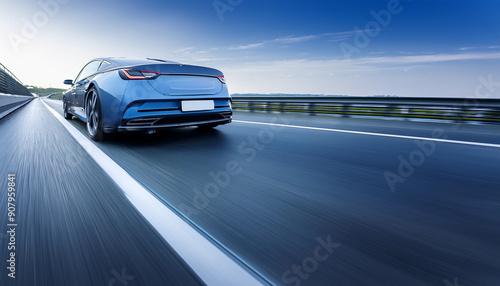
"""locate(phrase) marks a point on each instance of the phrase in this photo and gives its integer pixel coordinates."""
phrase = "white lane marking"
(212, 265)
(374, 134)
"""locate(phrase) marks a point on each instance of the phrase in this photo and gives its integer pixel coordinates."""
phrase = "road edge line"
(209, 262)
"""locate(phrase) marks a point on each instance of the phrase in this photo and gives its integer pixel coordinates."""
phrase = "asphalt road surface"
(302, 200)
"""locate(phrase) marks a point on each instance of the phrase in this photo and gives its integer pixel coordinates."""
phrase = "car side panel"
(111, 89)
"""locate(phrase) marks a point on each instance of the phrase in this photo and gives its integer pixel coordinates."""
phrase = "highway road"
(296, 200)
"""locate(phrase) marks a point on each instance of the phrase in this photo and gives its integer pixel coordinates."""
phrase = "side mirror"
(68, 81)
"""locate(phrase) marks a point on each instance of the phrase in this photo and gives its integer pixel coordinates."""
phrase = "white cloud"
(280, 40)
(330, 37)
(291, 40)
(427, 58)
(185, 50)
(246, 47)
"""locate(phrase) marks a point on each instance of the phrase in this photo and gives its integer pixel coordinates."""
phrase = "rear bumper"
(173, 125)
(175, 120)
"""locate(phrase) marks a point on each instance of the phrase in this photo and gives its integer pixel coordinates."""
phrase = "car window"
(104, 65)
(89, 69)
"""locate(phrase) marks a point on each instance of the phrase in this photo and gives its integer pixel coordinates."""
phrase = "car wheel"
(94, 115)
(65, 110)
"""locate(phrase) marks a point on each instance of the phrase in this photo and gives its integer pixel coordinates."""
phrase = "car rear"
(173, 95)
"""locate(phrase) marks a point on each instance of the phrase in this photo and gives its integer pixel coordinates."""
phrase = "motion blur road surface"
(301, 206)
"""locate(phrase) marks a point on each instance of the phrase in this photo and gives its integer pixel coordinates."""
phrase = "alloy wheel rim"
(92, 114)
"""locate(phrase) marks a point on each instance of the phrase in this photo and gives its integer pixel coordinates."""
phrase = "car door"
(81, 84)
(69, 96)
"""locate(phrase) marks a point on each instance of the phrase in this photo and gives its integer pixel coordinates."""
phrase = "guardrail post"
(495, 114)
(311, 109)
(391, 109)
(345, 110)
(268, 109)
(405, 111)
(250, 106)
(282, 107)
(460, 112)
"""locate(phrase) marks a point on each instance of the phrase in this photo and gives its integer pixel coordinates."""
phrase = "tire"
(93, 113)
(67, 115)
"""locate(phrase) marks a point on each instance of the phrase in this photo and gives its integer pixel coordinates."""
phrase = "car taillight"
(222, 79)
(136, 74)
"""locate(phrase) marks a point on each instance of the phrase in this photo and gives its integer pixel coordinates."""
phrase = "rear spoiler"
(178, 69)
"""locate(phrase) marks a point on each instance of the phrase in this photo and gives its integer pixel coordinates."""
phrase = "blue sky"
(426, 48)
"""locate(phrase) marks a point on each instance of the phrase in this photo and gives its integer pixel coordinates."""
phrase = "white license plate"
(197, 105)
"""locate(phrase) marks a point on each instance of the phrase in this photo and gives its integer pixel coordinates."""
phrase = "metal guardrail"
(10, 84)
(2, 67)
(447, 109)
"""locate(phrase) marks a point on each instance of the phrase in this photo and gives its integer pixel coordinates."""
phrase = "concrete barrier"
(10, 103)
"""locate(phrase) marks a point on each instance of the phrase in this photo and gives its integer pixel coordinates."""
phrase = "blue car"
(120, 94)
